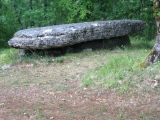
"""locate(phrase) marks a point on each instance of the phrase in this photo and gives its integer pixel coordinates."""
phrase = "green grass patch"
(141, 43)
(8, 56)
(121, 71)
(112, 72)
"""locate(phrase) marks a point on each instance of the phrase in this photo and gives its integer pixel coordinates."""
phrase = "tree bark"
(154, 55)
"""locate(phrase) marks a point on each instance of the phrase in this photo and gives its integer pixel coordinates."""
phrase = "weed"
(71, 114)
(121, 116)
(8, 56)
(41, 115)
(16, 83)
(62, 87)
(49, 60)
(60, 59)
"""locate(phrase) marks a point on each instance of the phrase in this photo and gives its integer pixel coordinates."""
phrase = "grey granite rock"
(69, 34)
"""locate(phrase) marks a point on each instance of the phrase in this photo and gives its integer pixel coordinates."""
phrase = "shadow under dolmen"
(108, 44)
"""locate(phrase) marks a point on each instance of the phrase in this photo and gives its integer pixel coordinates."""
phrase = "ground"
(42, 91)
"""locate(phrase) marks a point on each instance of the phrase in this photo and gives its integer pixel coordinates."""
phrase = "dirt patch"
(80, 104)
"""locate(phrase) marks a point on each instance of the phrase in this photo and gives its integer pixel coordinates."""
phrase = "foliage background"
(16, 14)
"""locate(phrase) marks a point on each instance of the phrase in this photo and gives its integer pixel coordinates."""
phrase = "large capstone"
(69, 34)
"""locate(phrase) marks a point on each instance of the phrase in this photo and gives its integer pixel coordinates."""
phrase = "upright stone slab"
(69, 34)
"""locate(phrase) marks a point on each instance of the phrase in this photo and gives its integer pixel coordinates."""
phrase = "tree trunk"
(154, 55)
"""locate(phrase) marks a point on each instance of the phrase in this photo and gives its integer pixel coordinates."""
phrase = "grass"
(8, 56)
(119, 71)
(55, 81)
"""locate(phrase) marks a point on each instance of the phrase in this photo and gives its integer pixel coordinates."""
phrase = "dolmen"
(95, 33)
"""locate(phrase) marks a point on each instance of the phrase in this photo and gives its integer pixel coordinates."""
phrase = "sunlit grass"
(121, 71)
(8, 56)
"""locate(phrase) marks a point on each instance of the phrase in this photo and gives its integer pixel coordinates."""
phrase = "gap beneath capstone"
(109, 44)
